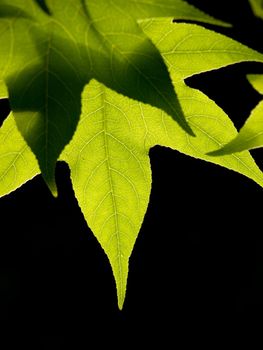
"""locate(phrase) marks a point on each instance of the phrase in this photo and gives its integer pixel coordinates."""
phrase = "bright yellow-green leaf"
(251, 134)
(109, 161)
(110, 172)
(17, 162)
(49, 52)
(109, 153)
(110, 75)
(190, 49)
(256, 80)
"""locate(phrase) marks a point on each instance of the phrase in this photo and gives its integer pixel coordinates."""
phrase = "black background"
(196, 272)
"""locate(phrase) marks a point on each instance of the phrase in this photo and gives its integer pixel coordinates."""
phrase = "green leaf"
(133, 67)
(17, 162)
(46, 60)
(109, 153)
(251, 134)
(257, 7)
(110, 172)
(3, 90)
(110, 168)
(109, 161)
(45, 99)
(256, 80)
(189, 49)
(178, 9)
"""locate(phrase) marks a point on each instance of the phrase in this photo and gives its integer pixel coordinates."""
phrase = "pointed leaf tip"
(51, 184)
(121, 303)
(249, 136)
(53, 190)
(218, 152)
(113, 184)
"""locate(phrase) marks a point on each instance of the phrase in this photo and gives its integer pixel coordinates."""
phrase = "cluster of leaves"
(251, 134)
(96, 84)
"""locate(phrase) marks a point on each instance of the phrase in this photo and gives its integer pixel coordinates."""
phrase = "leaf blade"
(112, 186)
(189, 49)
(86, 158)
(31, 40)
(135, 68)
(17, 162)
(212, 127)
(108, 155)
(176, 9)
(146, 132)
(45, 99)
(250, 135)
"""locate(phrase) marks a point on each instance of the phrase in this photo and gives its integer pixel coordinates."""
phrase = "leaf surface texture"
(103, 85)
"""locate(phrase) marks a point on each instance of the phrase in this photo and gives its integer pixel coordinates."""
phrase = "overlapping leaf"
(47, 57)
(191, 49)
(108, 155)
(251, 134)
(110, 168)
(42, 69)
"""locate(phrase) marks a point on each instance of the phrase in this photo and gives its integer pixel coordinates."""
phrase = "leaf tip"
(120, 303)
(121, 293)
(121, 277)
(51, 183)
(229, 148)
(185, 126)
(217, 152)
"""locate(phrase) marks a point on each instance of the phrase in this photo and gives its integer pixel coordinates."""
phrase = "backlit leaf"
(123, 76)
(251, 134)
(17, 163)
(50, 50)
(110, 168)
(109, 161)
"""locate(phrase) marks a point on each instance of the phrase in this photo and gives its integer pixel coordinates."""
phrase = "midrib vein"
(114, 204)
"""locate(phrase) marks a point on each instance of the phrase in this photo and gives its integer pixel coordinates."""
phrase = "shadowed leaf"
(109, 153)
(50, 50)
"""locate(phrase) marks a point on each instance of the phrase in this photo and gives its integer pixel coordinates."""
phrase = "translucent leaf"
(251, 134)
(50, 50)
(109, 153)
(190, 49)
(110, 167)
(17, 162)
(256, 80)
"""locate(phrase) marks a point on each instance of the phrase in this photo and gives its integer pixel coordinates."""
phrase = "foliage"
(97, 84)
(251, 134)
